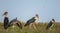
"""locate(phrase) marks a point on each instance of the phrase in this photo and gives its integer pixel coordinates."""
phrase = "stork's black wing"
(13, 21)
(30, 21)
(49, 25)
(6, 21)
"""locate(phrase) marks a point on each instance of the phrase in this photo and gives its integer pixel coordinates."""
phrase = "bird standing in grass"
(17, 22)
(50, 24)
(12, 22)
(6, 20)
(31, 21)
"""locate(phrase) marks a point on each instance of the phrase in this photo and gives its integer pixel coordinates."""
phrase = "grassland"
(40, 29)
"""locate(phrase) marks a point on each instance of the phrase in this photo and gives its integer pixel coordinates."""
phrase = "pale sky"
(26, 9)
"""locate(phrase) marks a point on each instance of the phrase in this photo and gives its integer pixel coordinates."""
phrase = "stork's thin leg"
(34, 26)
(6, 31)
(30, 26)
(12, 28)
(51, 26)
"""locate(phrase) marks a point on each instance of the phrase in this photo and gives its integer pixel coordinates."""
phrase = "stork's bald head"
(53, 20)
(5, 13)
(37, 15)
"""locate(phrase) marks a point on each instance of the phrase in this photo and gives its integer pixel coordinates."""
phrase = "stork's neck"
(36, 18)
(5, 15)
(53, 21)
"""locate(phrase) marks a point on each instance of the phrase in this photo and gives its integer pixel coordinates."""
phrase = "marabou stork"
(50, 24)
(32, 21)
(11, 23)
